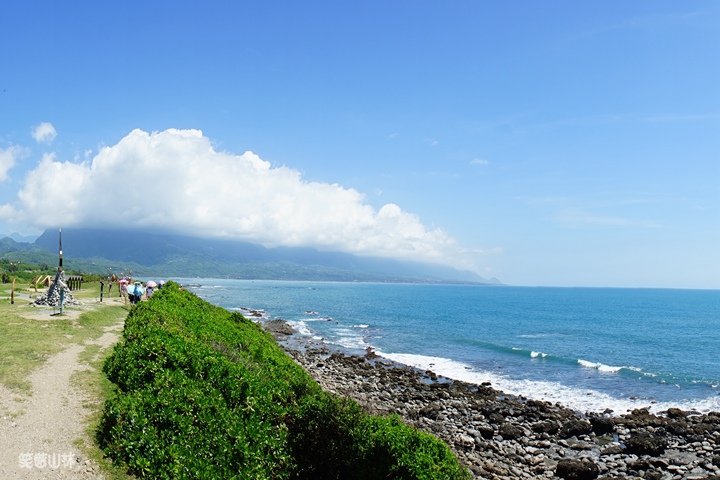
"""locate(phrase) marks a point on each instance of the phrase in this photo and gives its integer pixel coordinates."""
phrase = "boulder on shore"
(577, 470)
(279, 327)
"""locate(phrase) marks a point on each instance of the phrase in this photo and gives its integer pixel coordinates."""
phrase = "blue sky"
(543, 143)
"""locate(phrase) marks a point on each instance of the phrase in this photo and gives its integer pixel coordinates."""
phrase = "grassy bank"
(29, 335)
(205, 393)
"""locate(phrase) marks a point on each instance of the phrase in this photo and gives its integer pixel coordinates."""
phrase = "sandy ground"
(39, 433)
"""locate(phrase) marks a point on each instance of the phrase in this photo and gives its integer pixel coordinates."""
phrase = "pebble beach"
(500, 436)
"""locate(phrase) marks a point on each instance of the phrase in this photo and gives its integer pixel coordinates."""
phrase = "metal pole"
(60, 266)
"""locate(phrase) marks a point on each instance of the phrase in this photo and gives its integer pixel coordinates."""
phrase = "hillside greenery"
(202, 392)
(167, 254)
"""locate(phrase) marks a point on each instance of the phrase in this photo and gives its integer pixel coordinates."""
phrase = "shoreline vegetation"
(206, 393)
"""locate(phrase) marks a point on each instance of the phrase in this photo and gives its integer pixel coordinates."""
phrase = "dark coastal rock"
(486, 431)
(646, 444)
(641, 417)
(601, 425)
(370, 354)
(704, 428)
(653, 475)
(675, 413)
(547, 426)
(279, 327)
(640, 464)
(511, 432)
(574, 428)
(678, 427)
(495, 418)
(614, 449)
(431, 410)
(577, 469)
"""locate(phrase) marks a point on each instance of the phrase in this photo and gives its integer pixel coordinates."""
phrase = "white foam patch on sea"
(601, 367)
(583, 400)
(301, 327)
(349, 338)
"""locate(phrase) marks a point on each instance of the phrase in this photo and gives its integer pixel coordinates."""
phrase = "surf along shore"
(499, 436)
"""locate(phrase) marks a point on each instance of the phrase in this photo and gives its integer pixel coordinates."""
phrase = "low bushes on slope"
(205, 393)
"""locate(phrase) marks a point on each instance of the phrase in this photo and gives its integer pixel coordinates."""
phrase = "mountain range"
(145, 253)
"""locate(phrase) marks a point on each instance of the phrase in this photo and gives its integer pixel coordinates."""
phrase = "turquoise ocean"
(588, 348)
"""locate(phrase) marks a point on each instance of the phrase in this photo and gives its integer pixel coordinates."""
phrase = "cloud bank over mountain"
(175, 180)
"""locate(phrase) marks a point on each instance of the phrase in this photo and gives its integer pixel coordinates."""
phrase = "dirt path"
(38, 434)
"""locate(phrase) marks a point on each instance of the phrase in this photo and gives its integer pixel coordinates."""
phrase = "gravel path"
(38, 434)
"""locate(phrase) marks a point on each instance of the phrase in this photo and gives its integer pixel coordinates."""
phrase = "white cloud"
(176, 180)
(479, 161)
(8, 158)
(44, 133)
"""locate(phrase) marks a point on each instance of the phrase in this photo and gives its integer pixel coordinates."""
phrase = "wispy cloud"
(682, 117)
(479, 161)
(610, 209)
(44, 132)
(8, 158)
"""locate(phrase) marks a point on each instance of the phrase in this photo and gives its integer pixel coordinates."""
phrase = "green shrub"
(322, 435)
(205, 393)
(398, 451)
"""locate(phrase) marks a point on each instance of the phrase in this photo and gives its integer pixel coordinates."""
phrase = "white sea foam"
(584, 400)
(538, 354)
(361, 325)
(601, 367)
(349, 338)
(539, 335)
(301, 327)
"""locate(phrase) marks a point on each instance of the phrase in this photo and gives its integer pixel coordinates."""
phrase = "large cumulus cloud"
(176, 180)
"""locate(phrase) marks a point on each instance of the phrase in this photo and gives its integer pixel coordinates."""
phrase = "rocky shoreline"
(499, 436)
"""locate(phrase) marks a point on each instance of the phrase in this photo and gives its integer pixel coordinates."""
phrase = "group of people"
(136, 291)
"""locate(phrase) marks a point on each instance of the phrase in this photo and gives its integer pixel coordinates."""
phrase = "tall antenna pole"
(60, 267)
